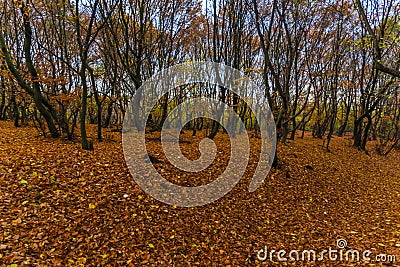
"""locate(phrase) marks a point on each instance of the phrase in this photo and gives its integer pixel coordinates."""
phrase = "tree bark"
(40, 102)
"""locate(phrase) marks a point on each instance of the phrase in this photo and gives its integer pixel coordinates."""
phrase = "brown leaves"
(80, 208)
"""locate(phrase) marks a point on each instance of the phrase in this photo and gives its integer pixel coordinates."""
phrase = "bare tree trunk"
(41, 103)
(3, 99)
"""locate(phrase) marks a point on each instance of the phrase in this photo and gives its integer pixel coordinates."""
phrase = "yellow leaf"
(92, 206)
(104, 256)
(17, 221)
(151, 246)
(380, 244)
(172, 237)
(134, 215)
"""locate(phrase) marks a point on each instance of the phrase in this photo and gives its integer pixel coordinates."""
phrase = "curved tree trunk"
(41, 103)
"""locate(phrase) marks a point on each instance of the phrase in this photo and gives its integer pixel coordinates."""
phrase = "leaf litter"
(62, 206)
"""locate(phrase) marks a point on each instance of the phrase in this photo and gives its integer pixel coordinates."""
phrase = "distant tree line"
(331, 67)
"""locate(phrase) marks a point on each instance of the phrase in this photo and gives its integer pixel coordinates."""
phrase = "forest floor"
(62, 206)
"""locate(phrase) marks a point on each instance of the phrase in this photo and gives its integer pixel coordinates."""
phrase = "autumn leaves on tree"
(328, 67)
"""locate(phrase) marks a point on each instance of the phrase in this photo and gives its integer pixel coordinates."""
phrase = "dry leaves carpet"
(62, 206)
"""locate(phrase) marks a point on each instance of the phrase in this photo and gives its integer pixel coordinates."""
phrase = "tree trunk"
(3, 101)
(15, 111)
(37, 94)
(357, 132)
(109, 114)
(215, 124)
(366, 133)
(82, 118)
(99, 126)
(34, 91)
(342, 128)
